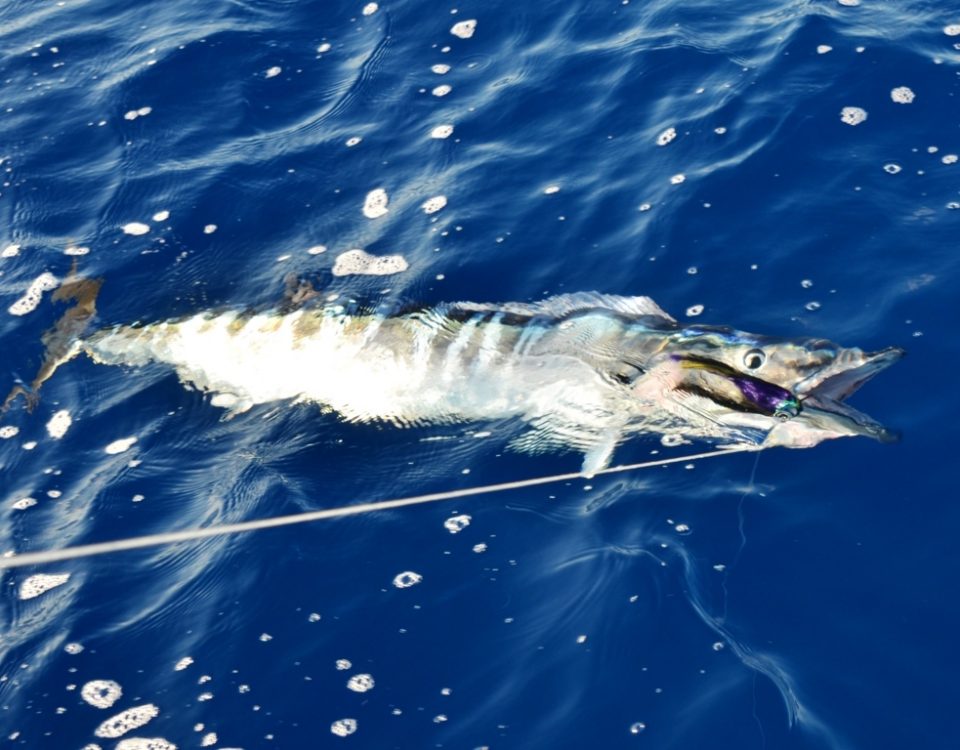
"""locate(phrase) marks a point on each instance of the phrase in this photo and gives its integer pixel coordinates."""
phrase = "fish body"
(585, 371)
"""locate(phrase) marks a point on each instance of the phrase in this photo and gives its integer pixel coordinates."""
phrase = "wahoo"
(582, 371)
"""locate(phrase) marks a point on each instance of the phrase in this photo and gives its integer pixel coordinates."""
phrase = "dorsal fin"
(564, 305)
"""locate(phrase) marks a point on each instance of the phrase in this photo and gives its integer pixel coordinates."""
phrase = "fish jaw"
(824, 414)
(847, 373)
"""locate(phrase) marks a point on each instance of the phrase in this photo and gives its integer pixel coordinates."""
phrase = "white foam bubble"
(125, 721)
(442, 90)
(59, 424)
(10, 251)
(135, 228)
(224, 400)
(76, 250)
(442, 131)
(370, 8)
(949, 158)
(120, 446)
(478, 548)
(161, 215)
(41, 583)
(375, 204)
(666, 136)
(551, 189)
(209, 739)
(73, 648)
(892, 168)
(272, 72)
(853, 115)
(210, 229)
(677, 179)
(694, 310)
(145, 743)
(24, 502)
(360, 683)
(440, 69)
(407, 579)
(456, 524)
(343, 664)
(101, 693)
(265, 637)
(314, 617)
(823, 49)
(31, 298)
(361, 263)
(317, 249)
(185, 662)
(952, 30)
(432, 205)
(902, 95)
(343, 727)
(325, 47)
(8, 431)
(353, 141)
(464, 29)
(849, 3)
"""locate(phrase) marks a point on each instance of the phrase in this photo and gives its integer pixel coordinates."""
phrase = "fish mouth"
(823, 395)
(848, 372)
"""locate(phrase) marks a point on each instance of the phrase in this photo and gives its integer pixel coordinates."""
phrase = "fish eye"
(754, 359)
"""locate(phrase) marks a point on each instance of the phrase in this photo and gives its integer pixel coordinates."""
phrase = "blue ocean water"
(810, 602)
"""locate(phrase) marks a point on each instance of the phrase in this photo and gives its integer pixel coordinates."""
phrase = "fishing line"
(186, 535)
(741, 528)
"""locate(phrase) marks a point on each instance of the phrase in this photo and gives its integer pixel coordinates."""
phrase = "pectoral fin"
(598, 455)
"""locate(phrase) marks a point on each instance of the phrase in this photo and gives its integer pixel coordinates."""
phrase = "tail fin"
(297, 293)
(60, 341)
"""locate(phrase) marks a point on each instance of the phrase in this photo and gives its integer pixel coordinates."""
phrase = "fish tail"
(61, 341)
(297, 293)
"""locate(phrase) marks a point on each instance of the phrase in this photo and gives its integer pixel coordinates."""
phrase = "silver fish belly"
(584, 371)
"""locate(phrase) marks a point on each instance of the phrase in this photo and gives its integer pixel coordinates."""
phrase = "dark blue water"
(812, 603)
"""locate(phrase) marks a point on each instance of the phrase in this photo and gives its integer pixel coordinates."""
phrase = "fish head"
(792, 392)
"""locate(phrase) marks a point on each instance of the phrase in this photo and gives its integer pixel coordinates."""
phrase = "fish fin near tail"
(60, 341)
